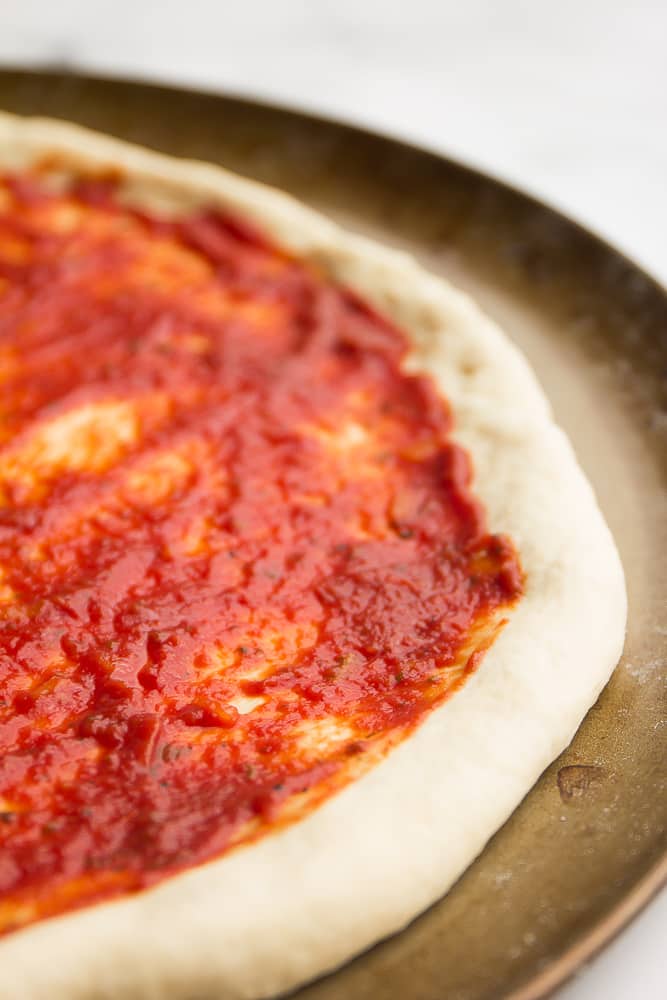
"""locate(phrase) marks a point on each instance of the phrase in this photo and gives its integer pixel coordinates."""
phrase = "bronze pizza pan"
(587, 848)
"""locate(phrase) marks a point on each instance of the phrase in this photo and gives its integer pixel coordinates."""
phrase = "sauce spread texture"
(240, 558)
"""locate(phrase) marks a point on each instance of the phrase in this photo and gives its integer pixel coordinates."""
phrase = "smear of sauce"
(240, 557)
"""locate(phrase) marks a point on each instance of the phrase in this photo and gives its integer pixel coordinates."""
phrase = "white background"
(566, 99)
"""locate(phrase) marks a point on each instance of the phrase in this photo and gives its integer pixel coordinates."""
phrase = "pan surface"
(587, 848)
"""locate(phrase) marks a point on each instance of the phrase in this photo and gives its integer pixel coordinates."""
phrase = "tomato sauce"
(240, 555)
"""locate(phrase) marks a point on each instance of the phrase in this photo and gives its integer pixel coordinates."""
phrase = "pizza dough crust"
(297, 903)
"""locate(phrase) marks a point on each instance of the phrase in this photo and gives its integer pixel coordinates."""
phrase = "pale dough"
(279, 912)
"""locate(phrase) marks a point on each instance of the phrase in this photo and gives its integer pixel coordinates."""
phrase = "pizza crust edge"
(298, 903)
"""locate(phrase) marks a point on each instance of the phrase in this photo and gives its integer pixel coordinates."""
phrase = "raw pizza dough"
(299, 902)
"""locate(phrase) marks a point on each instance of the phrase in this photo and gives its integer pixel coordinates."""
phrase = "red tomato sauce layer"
(240, 558)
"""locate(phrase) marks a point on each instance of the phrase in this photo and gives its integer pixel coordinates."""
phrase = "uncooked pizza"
(301, 588)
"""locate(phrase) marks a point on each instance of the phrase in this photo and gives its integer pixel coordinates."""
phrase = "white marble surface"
(567, 99)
